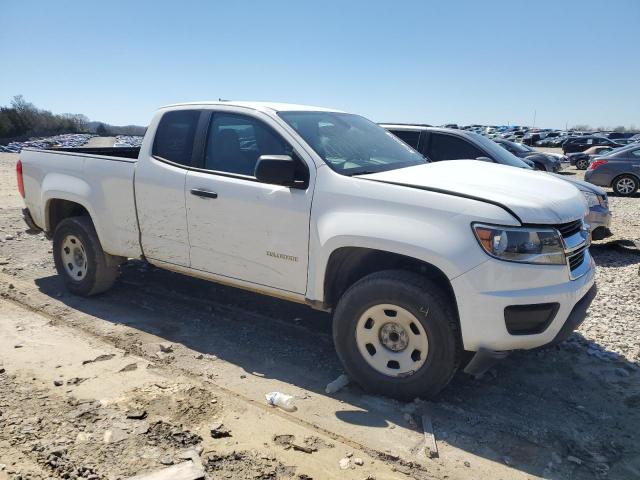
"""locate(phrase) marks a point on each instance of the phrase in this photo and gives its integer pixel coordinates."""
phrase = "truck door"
(159, 187)
(241, 228)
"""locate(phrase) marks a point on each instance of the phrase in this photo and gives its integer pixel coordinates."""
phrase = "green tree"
(102, 130)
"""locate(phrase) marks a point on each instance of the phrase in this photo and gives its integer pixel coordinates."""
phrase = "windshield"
(497, 152)
(350, 144)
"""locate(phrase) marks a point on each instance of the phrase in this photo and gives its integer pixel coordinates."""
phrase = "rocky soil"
(570, 411)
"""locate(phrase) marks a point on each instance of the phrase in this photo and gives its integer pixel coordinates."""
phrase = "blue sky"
(495, 62)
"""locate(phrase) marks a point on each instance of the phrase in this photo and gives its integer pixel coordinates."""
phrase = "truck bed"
(124, 152)
(98, 179)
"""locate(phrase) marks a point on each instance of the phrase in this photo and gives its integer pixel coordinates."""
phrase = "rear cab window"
(175, 135)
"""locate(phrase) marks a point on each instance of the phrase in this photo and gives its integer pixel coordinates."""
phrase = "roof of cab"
(273, 106)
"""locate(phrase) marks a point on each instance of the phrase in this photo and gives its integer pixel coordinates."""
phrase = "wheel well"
(347, 265)
(58, 210)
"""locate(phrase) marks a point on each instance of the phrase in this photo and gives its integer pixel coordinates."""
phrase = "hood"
(535, 197)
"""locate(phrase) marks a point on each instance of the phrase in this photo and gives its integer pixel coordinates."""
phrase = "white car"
(418, 262)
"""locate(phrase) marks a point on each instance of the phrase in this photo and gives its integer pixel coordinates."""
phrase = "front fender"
(448, 246)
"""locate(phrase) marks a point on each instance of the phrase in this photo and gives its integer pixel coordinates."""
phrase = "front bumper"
(484, 293)
(577, 316)
(485, 359)
(599, 219)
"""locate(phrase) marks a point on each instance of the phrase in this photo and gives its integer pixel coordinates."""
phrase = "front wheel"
(625, 185)
(396, 334)
(79, 258)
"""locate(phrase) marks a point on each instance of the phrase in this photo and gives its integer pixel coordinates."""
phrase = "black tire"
(101, 268)
(582, 164)
(417, 295)
(617, 185)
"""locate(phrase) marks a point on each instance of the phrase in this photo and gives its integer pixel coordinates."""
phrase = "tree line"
(22, 119)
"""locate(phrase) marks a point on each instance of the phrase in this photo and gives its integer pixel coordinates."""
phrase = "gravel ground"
(613, 324)
(564, 412)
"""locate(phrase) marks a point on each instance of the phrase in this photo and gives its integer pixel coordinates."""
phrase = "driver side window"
(235, 142)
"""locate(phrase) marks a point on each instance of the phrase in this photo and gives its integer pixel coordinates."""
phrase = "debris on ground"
(136, 414)
(282, 400)
(431, 448)
(337, 385)
(100, 358)
(283, 440)
(288, 441)
(218, 430)
(129, 368)
(182, 471)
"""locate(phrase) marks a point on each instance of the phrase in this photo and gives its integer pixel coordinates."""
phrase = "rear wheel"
(79, 258)
(582, 164)
(396, 333)
(625, 185)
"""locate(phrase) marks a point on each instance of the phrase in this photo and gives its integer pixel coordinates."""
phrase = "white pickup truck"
(417, 262)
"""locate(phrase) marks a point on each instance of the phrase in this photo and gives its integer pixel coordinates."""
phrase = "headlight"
(520, 244)
(592, 199)
(604, 201)
(595, 200)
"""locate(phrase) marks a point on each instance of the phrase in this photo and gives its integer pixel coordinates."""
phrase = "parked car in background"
(581, 159)
(619, 169)
(580, 144)
(626, 141)
(438, 144)
(541, 160)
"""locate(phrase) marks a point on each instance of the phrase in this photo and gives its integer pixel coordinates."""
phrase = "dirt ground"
(140, 378)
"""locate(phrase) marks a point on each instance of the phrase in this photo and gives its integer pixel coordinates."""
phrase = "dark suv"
(580, 144)
(447, 144)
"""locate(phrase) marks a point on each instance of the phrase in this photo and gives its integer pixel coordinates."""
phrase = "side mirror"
(276, 170)
(484, 159)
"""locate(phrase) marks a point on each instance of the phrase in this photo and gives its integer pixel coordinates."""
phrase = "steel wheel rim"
(582, 164)
(391, 340)
(74, 257)
(625, 185)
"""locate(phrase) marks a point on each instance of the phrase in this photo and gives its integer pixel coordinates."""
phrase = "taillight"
(596, 163)
(20, 179)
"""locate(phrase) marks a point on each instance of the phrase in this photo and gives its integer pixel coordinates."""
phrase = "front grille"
(576, 251)
(568, 229)
(576, 260)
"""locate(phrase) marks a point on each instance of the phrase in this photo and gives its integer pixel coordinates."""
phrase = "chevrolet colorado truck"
(418, 262)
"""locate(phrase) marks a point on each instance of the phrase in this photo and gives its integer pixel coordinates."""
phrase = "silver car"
(599, 217)
(619, 169)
